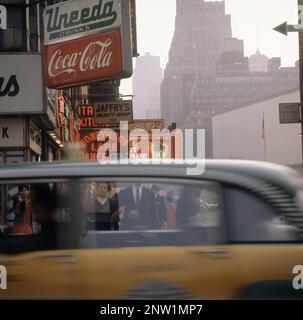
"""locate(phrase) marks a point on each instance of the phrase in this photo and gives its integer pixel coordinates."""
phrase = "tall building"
(207, 72)
(146, 87)
(258, 62)
(202, 31)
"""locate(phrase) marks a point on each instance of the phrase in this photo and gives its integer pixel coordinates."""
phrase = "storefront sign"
(113, 112)
(90, 144)
(85, 60)
(9, 87)
(18, 95)
(12, 133)
(86, 119)
(147, 125)
(3, 17)
(78, 18)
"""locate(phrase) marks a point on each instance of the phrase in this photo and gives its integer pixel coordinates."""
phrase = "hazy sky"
(251, 20)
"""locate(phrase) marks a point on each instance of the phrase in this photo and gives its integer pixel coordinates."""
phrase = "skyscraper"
(200, 30)
(207, 72)
(146, 87)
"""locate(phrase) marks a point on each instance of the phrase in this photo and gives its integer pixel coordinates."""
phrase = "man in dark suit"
(138, 207)
(160, 205)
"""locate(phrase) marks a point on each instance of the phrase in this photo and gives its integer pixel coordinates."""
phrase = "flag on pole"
(263, 128)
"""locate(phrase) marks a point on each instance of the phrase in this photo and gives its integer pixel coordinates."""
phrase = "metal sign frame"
(289, 113)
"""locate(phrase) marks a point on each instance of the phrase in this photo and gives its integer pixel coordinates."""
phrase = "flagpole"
(264, 137)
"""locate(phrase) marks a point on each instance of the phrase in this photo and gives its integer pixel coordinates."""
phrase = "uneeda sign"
(3, 17)
(76, 19)
(3, 278)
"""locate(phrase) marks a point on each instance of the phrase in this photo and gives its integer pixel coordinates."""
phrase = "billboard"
(113, 112)
(17, 94)
(89, 59)
(78, 18)
(87, 41)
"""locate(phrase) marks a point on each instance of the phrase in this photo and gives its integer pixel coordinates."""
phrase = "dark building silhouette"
(207, 72)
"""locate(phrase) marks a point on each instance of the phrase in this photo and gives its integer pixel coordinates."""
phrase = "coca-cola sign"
(85, 60)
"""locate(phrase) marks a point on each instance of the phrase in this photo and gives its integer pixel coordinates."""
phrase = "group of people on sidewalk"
(134, 207)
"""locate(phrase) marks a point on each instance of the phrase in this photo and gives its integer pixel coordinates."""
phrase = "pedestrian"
(23, 212)
(101, 208)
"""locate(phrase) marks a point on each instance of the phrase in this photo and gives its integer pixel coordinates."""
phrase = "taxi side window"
(163, 213)
(252, 220)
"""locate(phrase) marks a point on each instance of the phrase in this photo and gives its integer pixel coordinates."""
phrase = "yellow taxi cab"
(151, 231)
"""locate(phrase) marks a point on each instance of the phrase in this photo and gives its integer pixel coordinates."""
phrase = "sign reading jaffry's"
(113, 112)
(87, 41)
(83, 60)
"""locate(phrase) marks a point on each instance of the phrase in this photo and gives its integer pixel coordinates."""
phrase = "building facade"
(254, 132)
(40, 116)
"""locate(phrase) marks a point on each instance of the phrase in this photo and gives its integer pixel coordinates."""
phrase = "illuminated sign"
(3, 17)
(89, 140)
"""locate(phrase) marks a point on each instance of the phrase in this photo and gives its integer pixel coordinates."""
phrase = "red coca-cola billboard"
(93, 58)
(87, 41)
